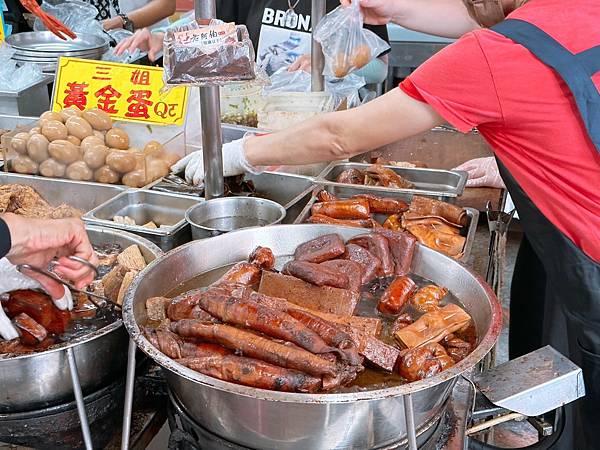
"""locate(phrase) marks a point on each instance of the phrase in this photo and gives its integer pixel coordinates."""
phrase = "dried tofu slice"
(127, 280)
(132, 258)
(433, 326)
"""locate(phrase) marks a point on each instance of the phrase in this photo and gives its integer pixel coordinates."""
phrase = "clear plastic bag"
(347, 46)
(343, 91)
(213, 54)
(77, 15)
(14, 78)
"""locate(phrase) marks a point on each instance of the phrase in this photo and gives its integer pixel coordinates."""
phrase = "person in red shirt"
(530, 86)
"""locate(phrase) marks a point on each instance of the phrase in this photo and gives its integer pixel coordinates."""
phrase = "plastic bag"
(347, 46)
(77, 15)
(343, 90)
(210, 54)
(14, 78)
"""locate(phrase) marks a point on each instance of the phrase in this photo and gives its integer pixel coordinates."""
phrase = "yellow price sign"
(125, 91)
(1, 25)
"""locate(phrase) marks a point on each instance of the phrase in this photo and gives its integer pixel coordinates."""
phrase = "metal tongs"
(52, 23)
(27, 267)
(175, 184)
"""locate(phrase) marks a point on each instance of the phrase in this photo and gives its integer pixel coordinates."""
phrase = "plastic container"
(240, 104)
(285, 109)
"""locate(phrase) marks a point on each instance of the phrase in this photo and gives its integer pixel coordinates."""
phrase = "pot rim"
(486, 343)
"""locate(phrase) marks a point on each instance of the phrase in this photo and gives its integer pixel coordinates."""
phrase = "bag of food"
(347, 46)
(212, 54)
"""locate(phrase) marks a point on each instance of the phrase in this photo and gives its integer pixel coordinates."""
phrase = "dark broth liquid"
(371, 378)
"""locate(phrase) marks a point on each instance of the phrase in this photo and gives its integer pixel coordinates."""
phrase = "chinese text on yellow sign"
(125, 91)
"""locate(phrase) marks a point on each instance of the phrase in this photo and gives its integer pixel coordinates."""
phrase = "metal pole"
(317, 60)
(409, 416)
(129, 387)
(210, 110)
(85, 427)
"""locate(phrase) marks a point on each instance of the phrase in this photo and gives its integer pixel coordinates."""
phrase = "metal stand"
(85, 427)
(317, 60)
(129, 388)
(409, 416)
(210, 111)
(498, 223)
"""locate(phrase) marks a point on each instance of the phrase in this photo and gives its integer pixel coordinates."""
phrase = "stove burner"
(57, 427)
(186, 434)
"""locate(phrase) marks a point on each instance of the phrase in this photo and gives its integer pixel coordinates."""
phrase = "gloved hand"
(483, 172)
(11, 280)
(234, 163)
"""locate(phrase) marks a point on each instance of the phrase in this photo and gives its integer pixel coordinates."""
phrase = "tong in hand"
(23, 268)
(52, 23)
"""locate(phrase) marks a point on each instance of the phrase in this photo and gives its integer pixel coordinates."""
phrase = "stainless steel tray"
(290, 191)
(78, 194)
(46, 43)
(144, 206)
(444, 185)
(344, 191)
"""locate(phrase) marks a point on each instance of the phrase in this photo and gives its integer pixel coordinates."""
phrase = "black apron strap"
(575, 70)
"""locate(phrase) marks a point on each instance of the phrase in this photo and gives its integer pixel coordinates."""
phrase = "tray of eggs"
(85, 146)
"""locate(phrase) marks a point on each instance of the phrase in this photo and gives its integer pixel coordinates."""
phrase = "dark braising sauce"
(370, 378)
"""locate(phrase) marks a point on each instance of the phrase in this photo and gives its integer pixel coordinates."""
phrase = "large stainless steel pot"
(43, 379)
(263, 419)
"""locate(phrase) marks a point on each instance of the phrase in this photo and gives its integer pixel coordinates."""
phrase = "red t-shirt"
(526, 112)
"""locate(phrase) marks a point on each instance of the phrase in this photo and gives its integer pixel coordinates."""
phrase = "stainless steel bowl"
(42, 379)
(222, 215)
(263, 419)
(47, 44)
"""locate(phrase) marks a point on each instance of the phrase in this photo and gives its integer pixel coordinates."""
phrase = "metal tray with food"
(81, 195)
(156, 216)
(89, 146)
(290, 191)
(441, 184)
(343, 192)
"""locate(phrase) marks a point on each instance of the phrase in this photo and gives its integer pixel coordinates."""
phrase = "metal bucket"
(39, 380)
(222, 215)
(264, 419)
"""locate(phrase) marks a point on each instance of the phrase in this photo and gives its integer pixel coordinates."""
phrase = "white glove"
(234, 163)
(11, 280)
(483, 172)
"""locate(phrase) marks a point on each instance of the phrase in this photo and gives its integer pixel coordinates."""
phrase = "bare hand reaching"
(145, 41)
(37, 242)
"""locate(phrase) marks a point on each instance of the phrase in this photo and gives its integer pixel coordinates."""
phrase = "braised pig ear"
(435, 223)
(448, 244)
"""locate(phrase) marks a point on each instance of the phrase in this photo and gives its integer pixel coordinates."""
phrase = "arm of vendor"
(343, 134)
